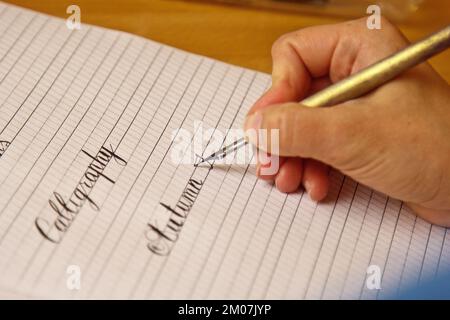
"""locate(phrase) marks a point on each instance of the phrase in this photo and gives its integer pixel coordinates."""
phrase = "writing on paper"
(66, 210)
(3, 146)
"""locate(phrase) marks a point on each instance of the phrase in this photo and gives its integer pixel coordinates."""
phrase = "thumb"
(333, 135)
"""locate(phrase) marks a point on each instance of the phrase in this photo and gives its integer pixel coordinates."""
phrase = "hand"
(395, 140)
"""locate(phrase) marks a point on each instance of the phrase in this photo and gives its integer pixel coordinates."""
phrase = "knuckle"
(288, 139)
(281, 43)
(284, 122)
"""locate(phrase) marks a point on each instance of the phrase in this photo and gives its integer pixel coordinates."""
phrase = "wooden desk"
(237, 35)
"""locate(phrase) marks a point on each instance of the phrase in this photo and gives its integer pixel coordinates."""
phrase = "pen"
(363, 81)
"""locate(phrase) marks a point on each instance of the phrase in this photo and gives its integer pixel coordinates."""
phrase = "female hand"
(395, 140)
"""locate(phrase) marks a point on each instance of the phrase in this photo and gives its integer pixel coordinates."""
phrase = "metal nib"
(222, 153)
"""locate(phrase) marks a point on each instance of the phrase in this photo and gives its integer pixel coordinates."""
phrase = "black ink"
(162, 240)
(3, 147)
(66, 210)
(201, 160)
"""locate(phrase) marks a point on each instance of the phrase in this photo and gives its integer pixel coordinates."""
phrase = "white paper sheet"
(78, 104)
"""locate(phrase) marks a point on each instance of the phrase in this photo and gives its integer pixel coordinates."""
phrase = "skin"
(395, 140)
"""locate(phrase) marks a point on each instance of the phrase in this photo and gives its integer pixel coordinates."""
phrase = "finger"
(316, 85)
(269, 177)
(335, 51)
(297, 58)
(300, 56)
(293, 56)
(315, 179)
(329, 135)
(293, 87)
(289, 176)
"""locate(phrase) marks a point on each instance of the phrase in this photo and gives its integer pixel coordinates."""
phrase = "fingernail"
(308, 187)
(252, 125)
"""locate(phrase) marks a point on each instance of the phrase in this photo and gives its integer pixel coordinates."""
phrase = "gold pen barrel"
(367, 79)
(373, 76)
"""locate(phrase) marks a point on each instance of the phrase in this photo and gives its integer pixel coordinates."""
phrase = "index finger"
(297, 58)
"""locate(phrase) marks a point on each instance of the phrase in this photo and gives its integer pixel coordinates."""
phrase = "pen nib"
(201, 160)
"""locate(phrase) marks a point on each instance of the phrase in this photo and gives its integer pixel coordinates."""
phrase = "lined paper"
(66, 95)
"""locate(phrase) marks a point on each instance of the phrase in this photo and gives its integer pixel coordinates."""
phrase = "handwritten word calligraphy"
(66, 210)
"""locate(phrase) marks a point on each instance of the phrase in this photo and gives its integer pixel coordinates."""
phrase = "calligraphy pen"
(363, 81)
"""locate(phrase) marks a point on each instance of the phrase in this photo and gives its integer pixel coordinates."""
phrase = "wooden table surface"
(238, 35)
